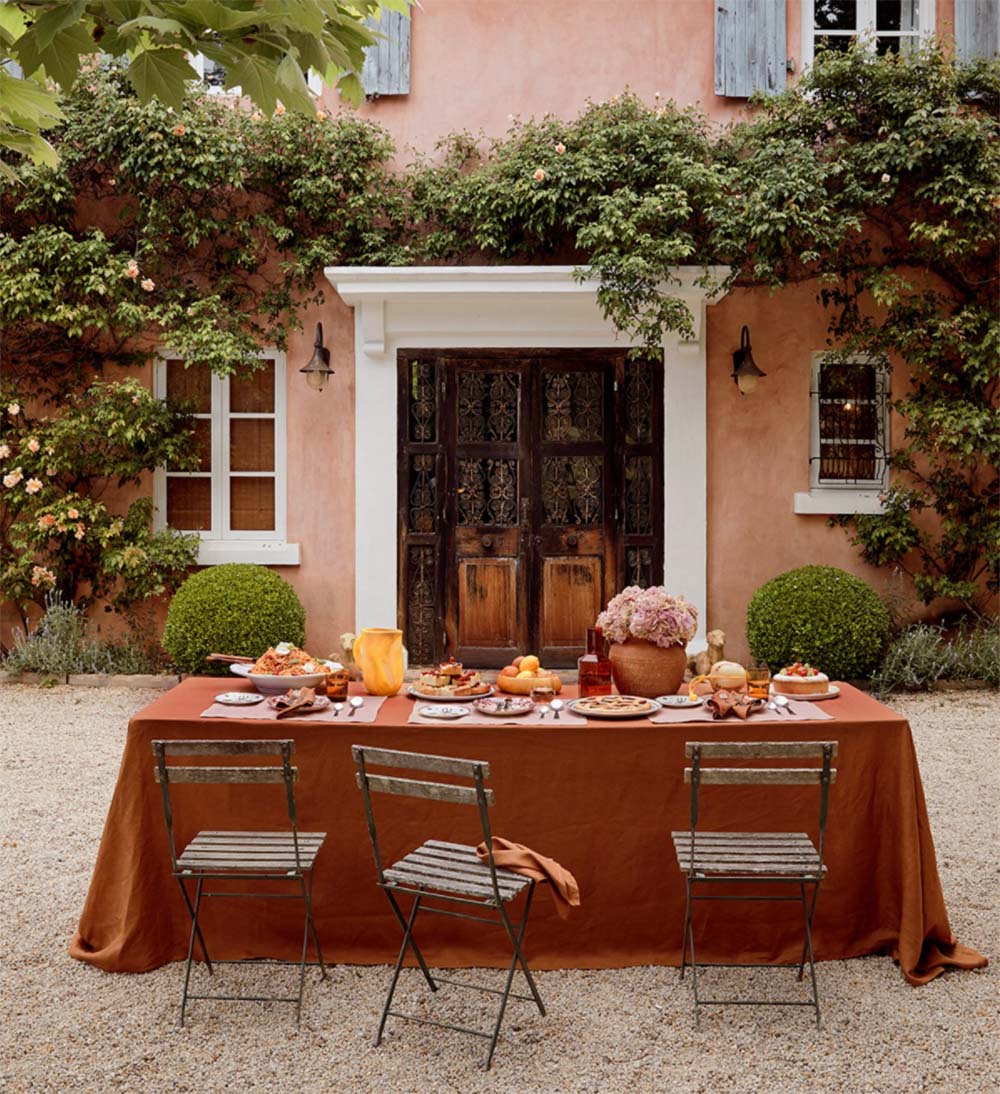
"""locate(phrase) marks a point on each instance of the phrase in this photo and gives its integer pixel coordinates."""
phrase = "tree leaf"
(161, 74)
(50, 23)
(255, 75)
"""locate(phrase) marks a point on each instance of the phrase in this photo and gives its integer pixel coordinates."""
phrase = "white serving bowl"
(278, 685)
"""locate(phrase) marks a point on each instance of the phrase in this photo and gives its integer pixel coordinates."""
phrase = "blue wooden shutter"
(386, 69)
(977, 28)
(750, 51)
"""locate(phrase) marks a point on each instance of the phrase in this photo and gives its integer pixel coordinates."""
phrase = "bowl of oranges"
(525, 673)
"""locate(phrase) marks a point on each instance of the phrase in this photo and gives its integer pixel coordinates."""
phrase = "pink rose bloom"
(46, 521)
(132, 270)
(33, 445)
(178, 130)
(32, 486)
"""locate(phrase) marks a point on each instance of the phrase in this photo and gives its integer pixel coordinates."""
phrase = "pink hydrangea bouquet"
(651, 614)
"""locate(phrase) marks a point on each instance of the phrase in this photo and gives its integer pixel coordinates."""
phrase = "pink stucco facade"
(476, 64)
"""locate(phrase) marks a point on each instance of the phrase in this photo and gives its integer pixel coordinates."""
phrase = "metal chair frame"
(481, 797)
(812, 868)
(305, 846)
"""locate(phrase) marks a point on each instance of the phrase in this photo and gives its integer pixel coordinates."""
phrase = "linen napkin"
(722, 703)
(522, 860)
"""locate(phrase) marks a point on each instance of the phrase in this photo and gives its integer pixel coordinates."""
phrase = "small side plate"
(444, 712)
(239, 698)
(676, 701)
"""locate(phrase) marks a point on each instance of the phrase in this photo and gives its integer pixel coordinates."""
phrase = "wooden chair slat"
(784, 869)
(225, 774)
(752, 776)
(505, 885)
(416, 879)
(418, 788)
(504, 881)
(707, 836)
(223, 748)
(759, 750)
(420, 761)
(443, 845)
(250, 836)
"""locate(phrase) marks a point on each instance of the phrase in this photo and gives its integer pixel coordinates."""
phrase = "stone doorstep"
(160, 682)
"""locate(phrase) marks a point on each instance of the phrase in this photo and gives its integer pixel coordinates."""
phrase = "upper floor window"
(235, 499)
(850, 422)
(892, 26)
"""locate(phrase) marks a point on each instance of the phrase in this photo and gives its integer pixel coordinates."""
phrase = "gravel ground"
(67, 1026)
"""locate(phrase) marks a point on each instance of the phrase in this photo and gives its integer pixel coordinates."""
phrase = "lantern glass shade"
(318, 369)
(745, 370)
(747, 383)
(315, 377)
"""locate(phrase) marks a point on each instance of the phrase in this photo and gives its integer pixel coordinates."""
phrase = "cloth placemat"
(804, 712)
(474, 718)
(264, 713)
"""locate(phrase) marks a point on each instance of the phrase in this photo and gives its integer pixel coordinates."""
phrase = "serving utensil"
(230, 659)
(337, 708)
(556, 705)
(356, 704)
(784, 705)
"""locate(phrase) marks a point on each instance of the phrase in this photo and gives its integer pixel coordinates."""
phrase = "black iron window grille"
(850, 405)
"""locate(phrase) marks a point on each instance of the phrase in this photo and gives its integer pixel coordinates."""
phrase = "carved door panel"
(486, 603)
(530, 492)
(574, 561)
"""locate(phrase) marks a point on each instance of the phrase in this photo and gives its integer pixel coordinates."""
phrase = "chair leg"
(519, 951)
(190, 954)
(812, 912)
(807, 916)
(694, 972)
(395, 972)
(398, 912)
(201, 940)
(687, 921)
(307, 894)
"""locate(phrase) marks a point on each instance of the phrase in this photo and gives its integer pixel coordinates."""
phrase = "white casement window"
(236, 498)
(848, 435)
(890, 26)
(213, 76)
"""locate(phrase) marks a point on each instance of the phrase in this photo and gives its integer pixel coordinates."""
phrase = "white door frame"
(517, 307)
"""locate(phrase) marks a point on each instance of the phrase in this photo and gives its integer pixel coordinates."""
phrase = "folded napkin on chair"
(522, 860)
(723, 702)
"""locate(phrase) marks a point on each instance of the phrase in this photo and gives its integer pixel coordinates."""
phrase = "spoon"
(782, 701)
(773, 706)
(337, 708)
(542, 711)
(557, 705)
(356, 704)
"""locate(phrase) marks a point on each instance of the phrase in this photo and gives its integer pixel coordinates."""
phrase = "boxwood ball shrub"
(821, 615)
(235, 608)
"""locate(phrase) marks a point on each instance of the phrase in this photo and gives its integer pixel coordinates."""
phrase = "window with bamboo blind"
(235, 498)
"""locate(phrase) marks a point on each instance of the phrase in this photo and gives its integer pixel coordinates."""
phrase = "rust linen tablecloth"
(601, 799)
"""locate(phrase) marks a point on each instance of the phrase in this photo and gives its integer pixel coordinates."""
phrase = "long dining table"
(601, 798)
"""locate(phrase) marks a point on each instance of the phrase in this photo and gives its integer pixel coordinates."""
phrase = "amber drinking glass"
(758, 681)
(542, 694)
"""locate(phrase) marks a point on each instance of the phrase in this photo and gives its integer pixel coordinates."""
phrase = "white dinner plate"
(676, 701)
(415, 694)
(443, 712)
(812, 697)
(239, 698)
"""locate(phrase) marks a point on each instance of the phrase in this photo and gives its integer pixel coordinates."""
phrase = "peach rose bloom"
(539, 175)
(148, 284)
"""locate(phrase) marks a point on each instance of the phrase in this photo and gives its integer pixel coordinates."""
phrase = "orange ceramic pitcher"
(378, 652)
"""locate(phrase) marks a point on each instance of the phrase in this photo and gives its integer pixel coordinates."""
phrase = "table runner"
(600, 798)
(804, 711)
(475, 718)
(264, 713)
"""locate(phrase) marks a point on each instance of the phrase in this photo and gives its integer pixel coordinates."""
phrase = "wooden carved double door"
(530, 492)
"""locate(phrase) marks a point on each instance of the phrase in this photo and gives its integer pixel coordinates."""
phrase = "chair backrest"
(282, 772)
(698, 774)
(478, 795)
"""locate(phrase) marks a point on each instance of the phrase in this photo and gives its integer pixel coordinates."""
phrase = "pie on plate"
(614, 706)
(503, 705)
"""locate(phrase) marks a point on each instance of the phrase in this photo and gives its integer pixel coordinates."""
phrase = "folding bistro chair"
(447, 874)
(773, 858)
(261, 856)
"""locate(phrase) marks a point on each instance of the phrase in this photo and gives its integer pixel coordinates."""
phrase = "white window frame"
(220, 543)
(198, 60)
(866, 25)
(841, 497)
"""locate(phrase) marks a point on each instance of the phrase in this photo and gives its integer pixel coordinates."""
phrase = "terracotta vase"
(643, 668)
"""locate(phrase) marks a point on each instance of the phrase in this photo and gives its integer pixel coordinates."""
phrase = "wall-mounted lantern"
(318, 369)
(745, 370)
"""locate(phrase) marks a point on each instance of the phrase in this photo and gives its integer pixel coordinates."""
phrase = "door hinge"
(615, 385)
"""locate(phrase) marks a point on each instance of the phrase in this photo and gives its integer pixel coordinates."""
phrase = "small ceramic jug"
(378, 652)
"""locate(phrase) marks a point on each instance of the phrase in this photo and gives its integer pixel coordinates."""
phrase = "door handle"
(487, 543)
(572, 540)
